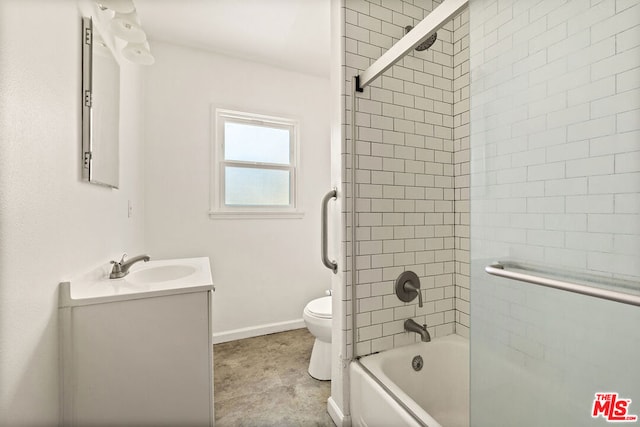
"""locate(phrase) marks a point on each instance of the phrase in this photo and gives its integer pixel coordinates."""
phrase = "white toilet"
(317, 317)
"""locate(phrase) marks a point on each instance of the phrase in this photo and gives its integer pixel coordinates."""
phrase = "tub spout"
(411, 325)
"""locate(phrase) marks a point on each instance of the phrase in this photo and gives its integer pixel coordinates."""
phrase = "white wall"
(52, 225)
(338, 406)
(265, 271)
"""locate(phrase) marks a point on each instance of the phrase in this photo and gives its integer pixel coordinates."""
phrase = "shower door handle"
(331, 265)
(504, 269)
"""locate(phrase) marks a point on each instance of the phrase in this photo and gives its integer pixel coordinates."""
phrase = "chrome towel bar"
(500, 269)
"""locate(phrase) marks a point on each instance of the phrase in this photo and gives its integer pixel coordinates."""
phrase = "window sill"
(255, 215)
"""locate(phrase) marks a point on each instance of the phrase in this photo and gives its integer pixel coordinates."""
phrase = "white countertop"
(154, 279)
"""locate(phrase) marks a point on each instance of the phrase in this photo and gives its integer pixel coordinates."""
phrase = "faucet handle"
(407, 287)
(410, 287)
(124, 255)
(117, 264)
(116, 270)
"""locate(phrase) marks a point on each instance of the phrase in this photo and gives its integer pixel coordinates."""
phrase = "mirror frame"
(88, 125)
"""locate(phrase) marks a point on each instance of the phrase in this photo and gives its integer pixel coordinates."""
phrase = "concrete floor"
(263, 381)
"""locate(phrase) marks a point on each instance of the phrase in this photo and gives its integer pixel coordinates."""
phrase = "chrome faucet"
(411, 325)
(121, 269)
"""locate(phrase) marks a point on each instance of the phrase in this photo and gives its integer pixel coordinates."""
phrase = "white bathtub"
(438, 394)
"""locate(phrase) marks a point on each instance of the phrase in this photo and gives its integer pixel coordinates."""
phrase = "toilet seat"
(320, 308)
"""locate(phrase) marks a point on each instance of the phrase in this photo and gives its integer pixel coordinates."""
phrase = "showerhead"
(425, 44)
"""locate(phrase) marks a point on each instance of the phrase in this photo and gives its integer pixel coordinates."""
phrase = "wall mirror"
(100, 108)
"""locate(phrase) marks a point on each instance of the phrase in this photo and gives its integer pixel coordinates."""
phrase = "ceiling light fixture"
(120, 6)
(126, 27)
(138, 53)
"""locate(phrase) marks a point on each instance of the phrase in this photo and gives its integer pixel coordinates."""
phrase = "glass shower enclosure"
(555, 195)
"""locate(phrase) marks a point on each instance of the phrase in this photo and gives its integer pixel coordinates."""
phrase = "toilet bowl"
(317, 317)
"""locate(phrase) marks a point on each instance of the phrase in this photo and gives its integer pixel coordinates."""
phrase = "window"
(255, 166)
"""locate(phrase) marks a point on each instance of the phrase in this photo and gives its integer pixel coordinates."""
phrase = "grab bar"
(498, 269)
(331, 265)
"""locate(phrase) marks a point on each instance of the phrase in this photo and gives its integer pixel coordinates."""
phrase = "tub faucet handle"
(409, 287)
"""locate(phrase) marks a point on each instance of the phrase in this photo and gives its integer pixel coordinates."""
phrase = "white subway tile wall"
(412, 173)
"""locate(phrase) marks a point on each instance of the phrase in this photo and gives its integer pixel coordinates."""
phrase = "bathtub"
(437, 395)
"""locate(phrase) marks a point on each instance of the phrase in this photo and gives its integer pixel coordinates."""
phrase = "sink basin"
(160, 273)
(145, 280)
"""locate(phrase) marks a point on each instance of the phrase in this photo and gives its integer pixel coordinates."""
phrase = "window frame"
(219, 209)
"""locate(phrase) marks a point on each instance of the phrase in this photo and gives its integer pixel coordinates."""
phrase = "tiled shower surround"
(412, 173)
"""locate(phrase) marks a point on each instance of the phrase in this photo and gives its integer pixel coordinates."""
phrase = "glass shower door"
(555, 186)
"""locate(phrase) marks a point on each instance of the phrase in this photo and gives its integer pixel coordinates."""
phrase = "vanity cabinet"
(139, 358)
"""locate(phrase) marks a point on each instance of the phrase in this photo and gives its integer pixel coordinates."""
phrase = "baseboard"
(256, 331)
(340, 419)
